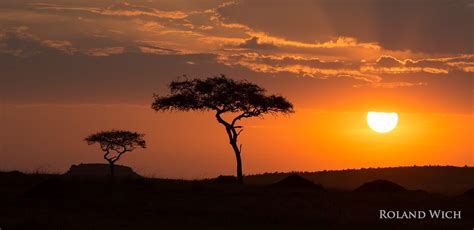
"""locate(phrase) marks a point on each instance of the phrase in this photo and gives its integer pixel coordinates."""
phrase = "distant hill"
(438, 179)
(99, 169)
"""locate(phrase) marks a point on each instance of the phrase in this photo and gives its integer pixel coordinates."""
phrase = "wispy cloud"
(117, 9)
(63, 45)
(106, 51)
(390, 85)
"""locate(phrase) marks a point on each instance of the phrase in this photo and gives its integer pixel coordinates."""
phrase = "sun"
(382, 122)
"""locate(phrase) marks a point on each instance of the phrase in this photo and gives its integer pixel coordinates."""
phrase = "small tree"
(223, 95)
(115, 143)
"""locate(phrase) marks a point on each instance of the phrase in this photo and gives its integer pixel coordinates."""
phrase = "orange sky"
(72, 68)
(193, 145)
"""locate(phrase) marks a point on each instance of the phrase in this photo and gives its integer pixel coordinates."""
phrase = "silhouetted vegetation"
(223, 95)
(41, 201)
(115, 143)
(440, 179)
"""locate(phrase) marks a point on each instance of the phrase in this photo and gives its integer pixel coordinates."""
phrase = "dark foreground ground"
(56, 202)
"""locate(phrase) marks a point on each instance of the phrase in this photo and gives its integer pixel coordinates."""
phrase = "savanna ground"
(42, 201)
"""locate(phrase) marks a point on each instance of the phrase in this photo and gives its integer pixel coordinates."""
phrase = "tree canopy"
(120, 141)
(222, 95)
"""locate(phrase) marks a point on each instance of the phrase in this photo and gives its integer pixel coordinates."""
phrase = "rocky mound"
(380, 186)
(295, 181)
(100, 170)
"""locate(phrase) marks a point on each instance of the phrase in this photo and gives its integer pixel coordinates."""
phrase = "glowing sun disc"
(382, 122)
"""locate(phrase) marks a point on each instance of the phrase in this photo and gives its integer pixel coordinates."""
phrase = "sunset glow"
(72, 68)
(382, 122)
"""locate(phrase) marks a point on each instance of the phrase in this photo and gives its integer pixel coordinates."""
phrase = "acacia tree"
(115, 143)
(222, 95)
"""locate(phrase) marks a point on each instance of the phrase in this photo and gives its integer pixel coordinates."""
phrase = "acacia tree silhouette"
(118, 141)
(223, 95)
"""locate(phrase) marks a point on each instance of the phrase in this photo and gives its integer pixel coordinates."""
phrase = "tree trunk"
(233, 134)
(240, 177)
(112, 171)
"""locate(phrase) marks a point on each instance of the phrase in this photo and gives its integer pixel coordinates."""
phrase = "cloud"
(57, 77)
(63, 45)
(204, 27)
(252, 43)
(118, 9)
(314, 68)
(151, 49)
(429, 26)
(20, 42)
(374, 72)
(392, 65)
(150, 26)
(390, 85)
(401, 70)
(288, 54)
(106, 51)
(388, 61)
(201, 31)
(340, 42)
(289, 60)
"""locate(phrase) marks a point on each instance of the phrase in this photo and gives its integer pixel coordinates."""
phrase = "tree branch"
(238, 133)
(116, 158)
(245, 114)
(106, 154)
(221, 120)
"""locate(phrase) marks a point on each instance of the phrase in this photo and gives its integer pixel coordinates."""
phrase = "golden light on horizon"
(382, 122)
